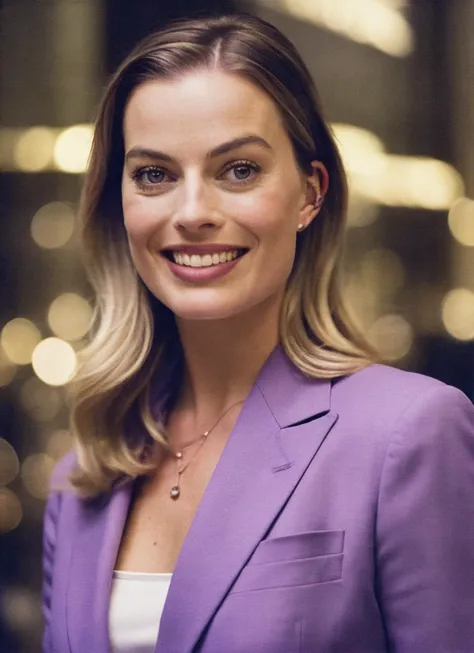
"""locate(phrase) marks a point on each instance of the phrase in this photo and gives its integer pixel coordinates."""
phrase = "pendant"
(174, 492)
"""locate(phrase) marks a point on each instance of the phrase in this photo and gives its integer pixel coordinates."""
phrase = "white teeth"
(205, 261)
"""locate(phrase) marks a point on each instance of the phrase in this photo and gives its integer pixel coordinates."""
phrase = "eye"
(149, 176)
(241, 171)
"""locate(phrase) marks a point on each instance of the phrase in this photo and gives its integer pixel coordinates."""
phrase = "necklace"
(181, 466)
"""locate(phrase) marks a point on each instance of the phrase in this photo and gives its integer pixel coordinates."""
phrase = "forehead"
(201, 108)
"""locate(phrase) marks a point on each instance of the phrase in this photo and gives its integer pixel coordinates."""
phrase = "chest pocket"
(301, 559)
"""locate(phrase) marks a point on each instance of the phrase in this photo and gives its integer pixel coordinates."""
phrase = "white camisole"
(136, 606)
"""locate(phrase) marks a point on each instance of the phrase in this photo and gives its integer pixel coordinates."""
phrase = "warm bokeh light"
(35, 473)
(34, 149)
(40, 401)
(7, 369)
(461, 221)
(458, 313)
(371, 22)
(18, 339)
(69, 316)
(59, 443)
(54, 361)
(53, 225)
(394, 180)
(9, 463)
(384, 269)
(392, 336)
(72, 148)
(11, 512)
(21, 612)
(418, 182)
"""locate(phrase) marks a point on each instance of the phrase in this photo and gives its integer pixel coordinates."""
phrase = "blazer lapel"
(90, 578)
(273, 442)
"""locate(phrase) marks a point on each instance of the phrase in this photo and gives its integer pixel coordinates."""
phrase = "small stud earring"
(300, 226)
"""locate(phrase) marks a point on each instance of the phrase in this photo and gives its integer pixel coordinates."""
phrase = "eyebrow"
(140, 152)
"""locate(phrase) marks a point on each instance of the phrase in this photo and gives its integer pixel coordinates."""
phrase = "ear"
(316, 186)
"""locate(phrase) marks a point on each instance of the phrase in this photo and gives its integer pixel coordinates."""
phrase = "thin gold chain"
(176, 489)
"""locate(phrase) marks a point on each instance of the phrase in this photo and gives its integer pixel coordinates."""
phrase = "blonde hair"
(134, 338)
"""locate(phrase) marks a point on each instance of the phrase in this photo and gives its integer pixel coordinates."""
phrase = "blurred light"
(7, 369)
(54, 361)
(360, 148)
(9, 464)
(59, 443)
(36, 471)
(392, 336)
(34, 149)
(394, 180)
(52, 225)
(11, 512)
(72, 148)
(458, 313)
(21, 610)
(18, 339)
(69, 316)
(9, 137)
(384, 268)
(361, 211)
(40, 401)
(461, 221)
(419, 183)
(371, 22)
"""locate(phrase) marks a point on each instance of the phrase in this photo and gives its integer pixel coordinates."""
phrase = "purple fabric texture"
(339, 519)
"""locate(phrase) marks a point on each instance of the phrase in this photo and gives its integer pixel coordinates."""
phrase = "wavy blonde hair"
(134, 335)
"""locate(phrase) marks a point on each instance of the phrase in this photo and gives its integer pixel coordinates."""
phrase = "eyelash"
(138, 173)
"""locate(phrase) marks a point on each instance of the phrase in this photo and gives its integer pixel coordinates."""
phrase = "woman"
(237, 452)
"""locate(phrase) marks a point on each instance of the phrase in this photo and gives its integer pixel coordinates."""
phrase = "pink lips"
(197, 275)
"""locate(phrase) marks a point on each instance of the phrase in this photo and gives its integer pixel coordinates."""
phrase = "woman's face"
(212, 195)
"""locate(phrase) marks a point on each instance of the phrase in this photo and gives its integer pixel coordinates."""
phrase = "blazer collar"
(291, 396)
(279, 430)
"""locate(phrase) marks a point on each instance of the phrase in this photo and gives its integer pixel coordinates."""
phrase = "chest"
(157, 524)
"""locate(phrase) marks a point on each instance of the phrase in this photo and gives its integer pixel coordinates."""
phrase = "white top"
(136, 606)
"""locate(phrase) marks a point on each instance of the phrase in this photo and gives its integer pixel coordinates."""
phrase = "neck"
(224, 357)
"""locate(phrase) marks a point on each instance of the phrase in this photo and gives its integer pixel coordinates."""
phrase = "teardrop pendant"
(175, 492)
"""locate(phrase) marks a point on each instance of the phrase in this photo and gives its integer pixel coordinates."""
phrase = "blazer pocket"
(302, 559)
(302, 545)
(290, 573)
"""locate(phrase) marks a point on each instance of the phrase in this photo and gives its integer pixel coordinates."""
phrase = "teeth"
(197, 261)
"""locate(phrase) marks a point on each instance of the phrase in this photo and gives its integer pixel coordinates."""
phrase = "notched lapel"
(259, 469)
(100, 527)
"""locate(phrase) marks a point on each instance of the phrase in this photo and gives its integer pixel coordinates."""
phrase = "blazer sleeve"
(425, 527)
(50, 521)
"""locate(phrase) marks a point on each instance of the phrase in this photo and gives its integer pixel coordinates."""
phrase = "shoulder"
(391, 399)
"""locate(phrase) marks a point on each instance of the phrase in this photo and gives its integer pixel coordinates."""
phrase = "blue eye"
(243, 171)
(149, 176)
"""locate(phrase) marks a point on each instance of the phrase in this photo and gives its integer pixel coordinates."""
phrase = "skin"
(194, 198)
(228, 327)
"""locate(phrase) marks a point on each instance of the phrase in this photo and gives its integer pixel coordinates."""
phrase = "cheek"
(139, 218)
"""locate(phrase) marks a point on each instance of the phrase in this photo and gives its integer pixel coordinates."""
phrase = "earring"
(300, 226)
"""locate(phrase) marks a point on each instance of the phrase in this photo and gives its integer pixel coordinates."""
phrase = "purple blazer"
(339, 519)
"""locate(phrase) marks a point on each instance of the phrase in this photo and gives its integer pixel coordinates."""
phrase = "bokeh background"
(397, 81)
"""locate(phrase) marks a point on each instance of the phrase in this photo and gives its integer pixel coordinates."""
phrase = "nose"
(195, 207)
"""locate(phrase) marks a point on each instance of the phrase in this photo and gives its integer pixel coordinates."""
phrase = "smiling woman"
(245, 479)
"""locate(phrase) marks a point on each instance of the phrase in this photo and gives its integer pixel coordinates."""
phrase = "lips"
(197, 264)
(203, 257)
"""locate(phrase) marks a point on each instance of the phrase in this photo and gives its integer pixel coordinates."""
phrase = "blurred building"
(396, 79)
